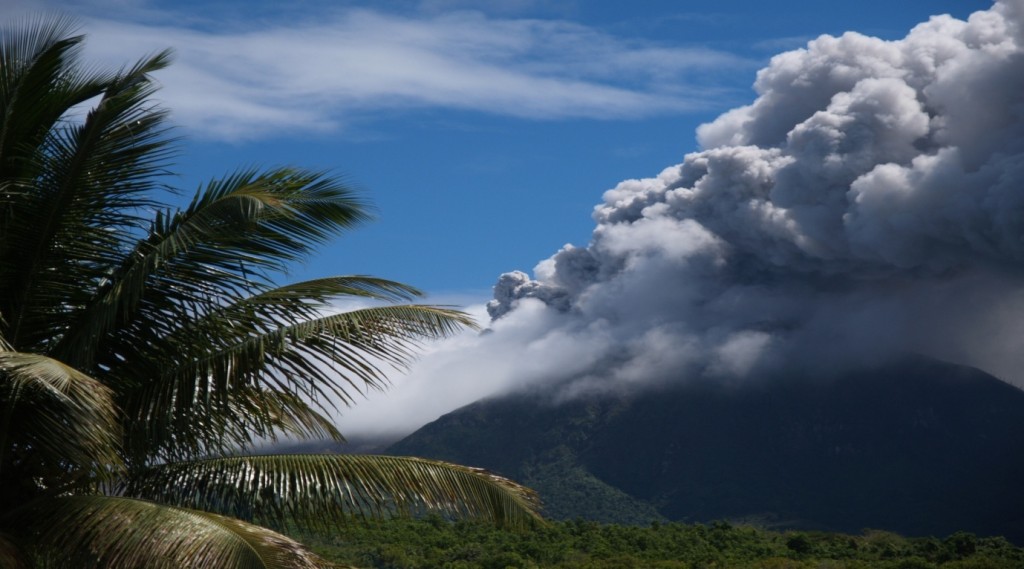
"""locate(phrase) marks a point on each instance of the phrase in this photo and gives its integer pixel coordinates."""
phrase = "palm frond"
(54, 414)
(326, 361)
(253, 417)
(268, 414)
(39, 82)
(323, 491)
(324, 289)
(87, 183)
(223, 247)
(291, 305)
(104, 532)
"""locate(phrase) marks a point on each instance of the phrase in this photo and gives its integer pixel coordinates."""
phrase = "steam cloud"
(869, 202)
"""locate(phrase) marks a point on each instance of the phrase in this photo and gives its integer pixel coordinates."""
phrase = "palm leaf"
(114, 532)
(253, 417)
(56, 415)
(39, 82)
(322, 491)
(349, 344)
(223, 247)
(272, 413)
(85, 185)
(326, 361)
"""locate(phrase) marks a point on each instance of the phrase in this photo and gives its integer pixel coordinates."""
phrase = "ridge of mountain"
(917, 446)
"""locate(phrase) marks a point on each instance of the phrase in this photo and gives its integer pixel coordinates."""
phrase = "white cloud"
(248, 79)
(519, 351)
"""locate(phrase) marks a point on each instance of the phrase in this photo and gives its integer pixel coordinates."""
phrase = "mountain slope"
(919, 447)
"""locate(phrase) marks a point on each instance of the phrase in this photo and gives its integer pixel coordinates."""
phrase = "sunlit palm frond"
(320, 291)
(281, 348)
(266, 414)
(321, 491)
(327, 361)
(57, 415)
(255, 221)
(253, 417)
(102, 532)
(223, 247)
(274, 310)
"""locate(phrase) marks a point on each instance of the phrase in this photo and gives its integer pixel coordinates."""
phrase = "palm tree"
(145, 351)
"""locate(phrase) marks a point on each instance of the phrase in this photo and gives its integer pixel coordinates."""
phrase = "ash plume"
(868, 203)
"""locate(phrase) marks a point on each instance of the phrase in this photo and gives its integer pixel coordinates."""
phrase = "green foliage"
(581, 494)
(433, 542)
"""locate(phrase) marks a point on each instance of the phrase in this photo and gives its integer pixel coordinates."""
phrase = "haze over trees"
(144, 350)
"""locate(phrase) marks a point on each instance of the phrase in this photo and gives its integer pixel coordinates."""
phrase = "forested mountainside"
(919, 447)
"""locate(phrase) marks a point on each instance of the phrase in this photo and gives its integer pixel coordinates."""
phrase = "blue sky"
(484, 132)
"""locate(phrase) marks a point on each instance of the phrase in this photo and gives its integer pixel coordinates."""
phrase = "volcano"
(916, 446)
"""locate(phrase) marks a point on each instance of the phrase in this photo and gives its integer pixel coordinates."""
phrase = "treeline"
(437, 543)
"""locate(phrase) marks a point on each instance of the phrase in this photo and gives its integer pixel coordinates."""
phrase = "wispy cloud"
(248, 79)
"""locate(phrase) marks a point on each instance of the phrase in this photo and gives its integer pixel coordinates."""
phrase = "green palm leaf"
(272, 413)
(103, 531)
(39, 82)
(223, 247)
(55, 422)
(319, 491)
(88, 183)
(253, 417)
(324, 360)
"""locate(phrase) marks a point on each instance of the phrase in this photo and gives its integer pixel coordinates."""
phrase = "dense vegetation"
(435, 543)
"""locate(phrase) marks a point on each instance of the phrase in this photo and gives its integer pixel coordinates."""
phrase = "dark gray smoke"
(870, 201)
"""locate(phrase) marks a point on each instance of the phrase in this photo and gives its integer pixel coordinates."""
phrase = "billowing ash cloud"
(870, 201)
